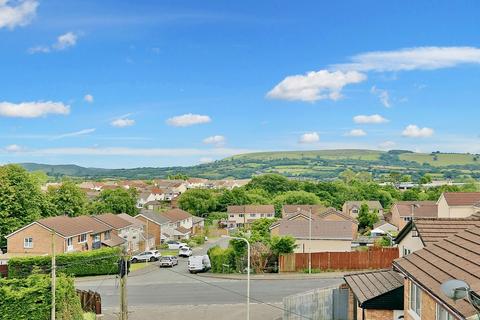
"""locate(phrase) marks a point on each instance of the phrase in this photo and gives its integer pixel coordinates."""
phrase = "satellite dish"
(455, 289)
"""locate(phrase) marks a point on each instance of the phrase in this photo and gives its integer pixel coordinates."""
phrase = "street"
(158, 290)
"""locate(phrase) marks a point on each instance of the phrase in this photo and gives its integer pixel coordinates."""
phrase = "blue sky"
(160, 83)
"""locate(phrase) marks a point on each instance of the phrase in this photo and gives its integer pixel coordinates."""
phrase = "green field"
(442, 159)
(341, 154)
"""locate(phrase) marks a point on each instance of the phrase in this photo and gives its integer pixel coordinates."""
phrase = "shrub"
(30, 298)
(87, 263)
(198, 239)
(220, 257)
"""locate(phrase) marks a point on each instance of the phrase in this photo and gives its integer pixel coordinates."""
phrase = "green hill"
(320, 164)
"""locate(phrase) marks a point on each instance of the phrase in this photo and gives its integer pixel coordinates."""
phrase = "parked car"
(175, 245)
(185, 252)
(199, 264)
(152, 255)
(168, 261)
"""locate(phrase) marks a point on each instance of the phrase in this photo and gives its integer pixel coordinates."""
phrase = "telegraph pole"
(310, 243)
(123, 287)
(54, 267)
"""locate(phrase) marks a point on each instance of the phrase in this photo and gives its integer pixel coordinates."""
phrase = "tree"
(271, 183)
(67, 199)
(260, 229)
(366, 219)
(237, 196)
(426, 178)
(198, 201)
(21, 200)
(115, 201)
(177, 176)
(285, 244)
(348, 176)
(406, 178)
(294, 197)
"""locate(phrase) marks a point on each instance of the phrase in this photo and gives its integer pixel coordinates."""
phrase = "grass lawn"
(89, 316)
(169, 252)
(138, 266)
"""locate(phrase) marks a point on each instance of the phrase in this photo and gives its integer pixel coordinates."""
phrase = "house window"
(82, 238)
(28, 243)
(354, 211)
(70, 243)
(241, 215)
(262, 215)
(406, 251)
(253, 215)
(407, 219)
(106, 235)
(442, 314)
(96, 237)
(270, 215)
(178, 224)
(415, 300)
(232, 216)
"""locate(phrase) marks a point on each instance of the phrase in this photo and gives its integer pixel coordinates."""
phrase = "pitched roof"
(339, 230)
(456, 257)
(175, 215)
(113, 220)
(334, 211)
(419, 209)
(373, 204)
(154, 216)
(135, 222)
(182, 230)
(66, 226)
(96, 226)
(196, 219)
(254, 208)
(462, 198)
(370, 285)
(114, 241)
(291, 209)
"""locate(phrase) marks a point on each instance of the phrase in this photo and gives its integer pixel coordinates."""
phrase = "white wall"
(411, 243)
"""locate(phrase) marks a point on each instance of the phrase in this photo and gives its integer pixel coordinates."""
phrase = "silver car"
(168, 261)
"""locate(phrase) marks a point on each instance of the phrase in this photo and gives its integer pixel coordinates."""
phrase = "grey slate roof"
(369, 285)
(154, 216)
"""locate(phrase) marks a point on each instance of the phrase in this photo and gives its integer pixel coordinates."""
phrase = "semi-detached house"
(239, 216)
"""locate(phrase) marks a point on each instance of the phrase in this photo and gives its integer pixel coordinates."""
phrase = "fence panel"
(90, 301)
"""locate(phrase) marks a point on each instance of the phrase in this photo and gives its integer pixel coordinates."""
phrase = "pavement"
(154, 293)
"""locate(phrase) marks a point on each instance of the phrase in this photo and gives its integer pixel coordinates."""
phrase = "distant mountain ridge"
(315, 164)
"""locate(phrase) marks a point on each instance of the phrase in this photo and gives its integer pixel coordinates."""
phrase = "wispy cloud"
(63, 42)
(13, 148)
(188, 119)
(74, 134)
(355, 133)
(383, 95)
(414, 131)
(17, 13)
(309, 137)
(369, 119)
(88, 98)
(217, 140)
(33, 109)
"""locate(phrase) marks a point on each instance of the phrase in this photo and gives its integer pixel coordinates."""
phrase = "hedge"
(30, 299)
(220, 257)
(86, 263)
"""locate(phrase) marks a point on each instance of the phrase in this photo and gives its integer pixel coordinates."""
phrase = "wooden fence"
(375, 258)
(3, 270)
(90, 301)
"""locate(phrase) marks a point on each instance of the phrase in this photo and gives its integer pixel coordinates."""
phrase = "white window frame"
(82, 238)
(95, 237)
(442, 314)
(107, 235)
(415, 301)
(28, 243)
(406, 251)
(70, 246)
(253, 215)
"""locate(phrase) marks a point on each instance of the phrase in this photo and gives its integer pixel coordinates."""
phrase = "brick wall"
(153, 229)
(428, 305)
(371, 314)
(42, 241)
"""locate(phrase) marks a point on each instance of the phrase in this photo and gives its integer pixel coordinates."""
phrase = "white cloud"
(369, 119)
(188, 119)
(122, 122)
(74, 134)
(356, 133)
(32, 109)
(387, 145)
(315, 86)
(17, 13)
(88, 98)
(309, 137)
(215, 140)
(419, 58)
(383, 95)
(413, 131)
(63, 42)
(204, 160)
(13, 148)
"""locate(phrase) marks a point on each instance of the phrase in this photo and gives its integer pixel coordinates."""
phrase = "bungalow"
(404, 211)
(455, 257)
(123, 228)
(375, 295)
(458, 204)
(239, 216)
(352, 208)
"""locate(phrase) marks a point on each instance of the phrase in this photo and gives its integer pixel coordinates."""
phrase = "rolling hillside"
(321, 164)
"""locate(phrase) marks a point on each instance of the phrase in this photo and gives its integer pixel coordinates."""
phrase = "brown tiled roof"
(135, 222)
(182, 230)
(292, 209)
(330, 211)
(456, 257)
(422, 209)
(369, 285)
(462, 198)
(374, 204)
(434, 230)
(339, 230)
(66, 226)
(175, 215)
(260, 208)
(95, 225)
(113, 220)
(114, 241)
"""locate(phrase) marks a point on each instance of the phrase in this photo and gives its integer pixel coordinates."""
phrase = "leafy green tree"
(285, 244)
(198, 201)
(67, 199)
(115, 201)
(411, 195)
(426, 178)
(260, 230)
(21, 200)
(177, 176)
(366, 219)
(294, 197)
(348, 176)
(237, 196)
(271, 183)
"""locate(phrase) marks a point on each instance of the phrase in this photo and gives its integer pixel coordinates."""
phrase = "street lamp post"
(310, 243)
(248, 271)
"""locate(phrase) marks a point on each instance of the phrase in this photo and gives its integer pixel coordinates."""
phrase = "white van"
(199, 264)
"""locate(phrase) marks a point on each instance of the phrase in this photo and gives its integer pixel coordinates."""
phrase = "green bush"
(30, 299)
(199, 240)
(87, 263)
(220, 257)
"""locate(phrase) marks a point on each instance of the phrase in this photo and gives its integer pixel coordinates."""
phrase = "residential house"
(176, 186)
(69, 235)
(382, 228)
(404, 211)
(458, 204)
(198, 225)
(324, 236)
(123, 228)
(154, 205)
(239, 216)
(454, 257)
(292, 209)
(195, 183)
(422, 232)
(154, 224)
(375, 295)
(352, 208)
(180, 224)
